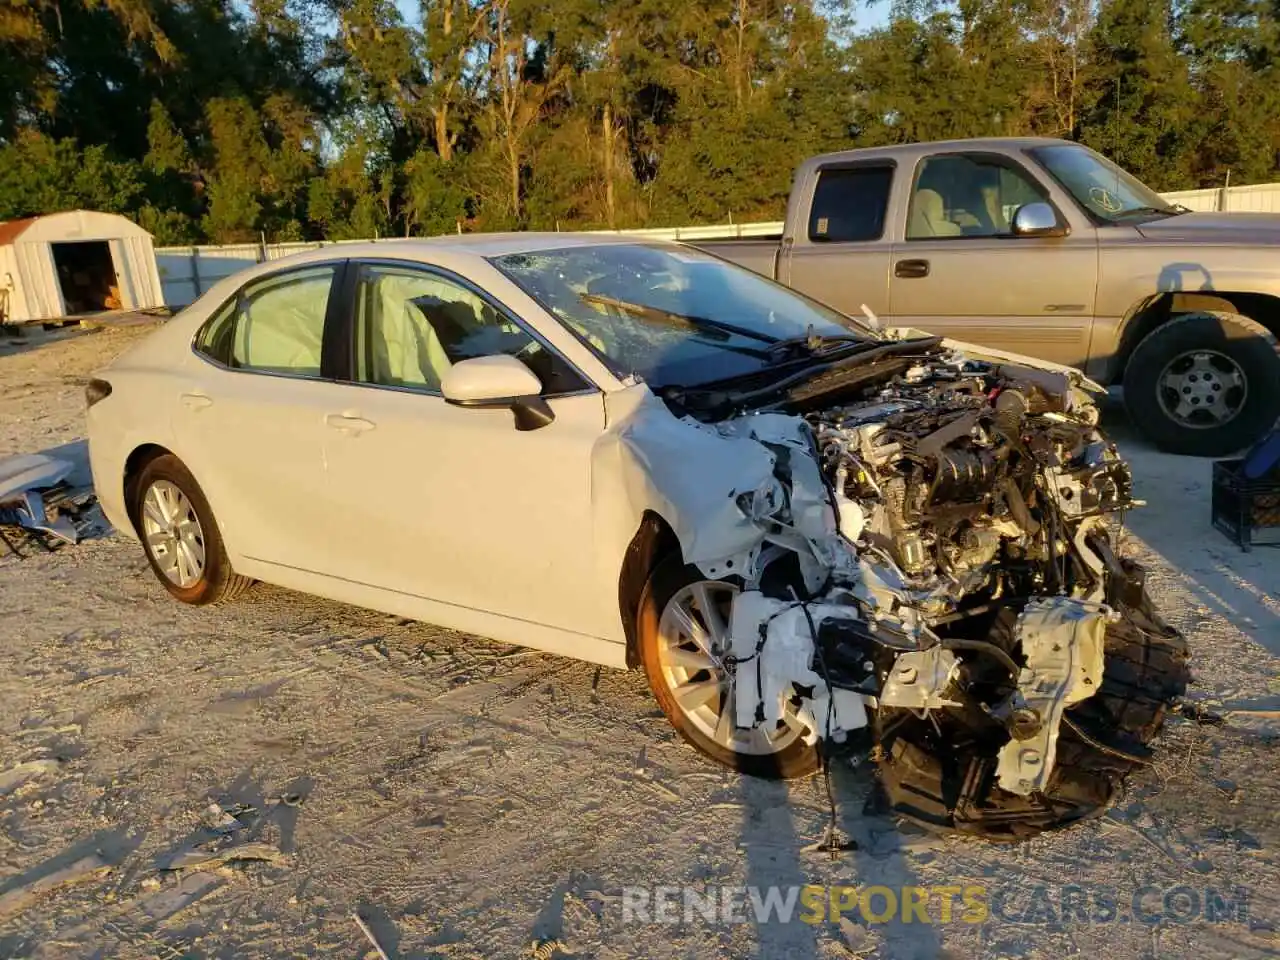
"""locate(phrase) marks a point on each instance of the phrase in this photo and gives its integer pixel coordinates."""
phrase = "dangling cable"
(832, 841)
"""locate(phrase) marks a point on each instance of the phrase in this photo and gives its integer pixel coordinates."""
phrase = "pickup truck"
(1042, 247)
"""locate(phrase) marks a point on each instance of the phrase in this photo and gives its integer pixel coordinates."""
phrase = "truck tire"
(1204, 384)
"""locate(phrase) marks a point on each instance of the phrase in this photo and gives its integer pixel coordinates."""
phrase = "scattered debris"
(19, 899)
(859, 940)
(49, 495)
(364, 928)
(14, 777)
(545, 949)
(199, 859)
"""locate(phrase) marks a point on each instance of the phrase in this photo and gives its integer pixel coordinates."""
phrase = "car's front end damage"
(922, 545)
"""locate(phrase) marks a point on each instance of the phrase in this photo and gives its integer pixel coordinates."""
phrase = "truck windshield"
(670, 315)
(1109, 193)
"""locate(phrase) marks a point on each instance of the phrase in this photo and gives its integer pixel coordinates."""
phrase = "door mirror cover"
(1037, 220)
(496, 381)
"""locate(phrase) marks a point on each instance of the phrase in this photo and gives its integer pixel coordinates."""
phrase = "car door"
(841, 254)
(249, 417)
(449, 503)
(961, 272)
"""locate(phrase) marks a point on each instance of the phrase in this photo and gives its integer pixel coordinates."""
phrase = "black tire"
(799, 759)
(218, 581)
(1246, 343)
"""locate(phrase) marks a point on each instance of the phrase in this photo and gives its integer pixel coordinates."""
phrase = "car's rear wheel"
(682, 630)
(1204, 384)
(180, 536)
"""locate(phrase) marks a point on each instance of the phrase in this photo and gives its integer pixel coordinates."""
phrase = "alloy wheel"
(172, 533)
(1202, 389)
(693, 647)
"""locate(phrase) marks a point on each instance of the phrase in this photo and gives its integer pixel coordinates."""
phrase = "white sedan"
(808, 532)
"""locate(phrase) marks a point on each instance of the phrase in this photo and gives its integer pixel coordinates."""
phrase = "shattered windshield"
(1109, 193)
(670, 315)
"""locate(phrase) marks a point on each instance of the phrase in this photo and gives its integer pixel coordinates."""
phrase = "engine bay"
(935, 583)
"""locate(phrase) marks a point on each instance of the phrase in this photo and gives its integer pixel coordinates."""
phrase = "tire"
(1226, 339)
(672, 579)
(212, 580)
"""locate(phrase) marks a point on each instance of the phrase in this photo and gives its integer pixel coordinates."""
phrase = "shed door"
(126, 275)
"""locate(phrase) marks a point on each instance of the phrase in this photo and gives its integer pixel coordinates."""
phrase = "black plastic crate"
(1247, 511)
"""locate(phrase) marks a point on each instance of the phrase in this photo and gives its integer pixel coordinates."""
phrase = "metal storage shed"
(76, 262)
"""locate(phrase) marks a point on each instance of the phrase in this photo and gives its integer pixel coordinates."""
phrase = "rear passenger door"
(840, 255)
(961, 272)
(250, 417)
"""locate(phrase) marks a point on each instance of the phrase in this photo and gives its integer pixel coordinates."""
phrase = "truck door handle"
(349, 423)
(196, 401)
(911, 269)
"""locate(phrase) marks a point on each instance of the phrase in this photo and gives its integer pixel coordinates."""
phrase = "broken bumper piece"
(49, 496)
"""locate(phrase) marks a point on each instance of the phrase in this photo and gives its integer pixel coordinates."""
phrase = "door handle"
(196, 401)
(911, 269)
(349, 423)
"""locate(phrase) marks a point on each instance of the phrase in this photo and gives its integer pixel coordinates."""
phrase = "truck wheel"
(1204, 384)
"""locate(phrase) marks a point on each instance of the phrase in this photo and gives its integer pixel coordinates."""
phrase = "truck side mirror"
(1037, 220)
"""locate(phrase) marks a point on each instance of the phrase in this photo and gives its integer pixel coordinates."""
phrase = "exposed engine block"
(944, 583)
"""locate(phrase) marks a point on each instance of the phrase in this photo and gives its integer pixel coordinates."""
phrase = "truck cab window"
(962, 195)
(849, 204)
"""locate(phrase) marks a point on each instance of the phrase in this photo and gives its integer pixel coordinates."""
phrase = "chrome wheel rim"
(1202, 389)
(172, 533)
(693, 640)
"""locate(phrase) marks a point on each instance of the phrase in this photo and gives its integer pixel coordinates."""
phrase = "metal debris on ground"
(48, 497)
(19, 899)
(194, 859)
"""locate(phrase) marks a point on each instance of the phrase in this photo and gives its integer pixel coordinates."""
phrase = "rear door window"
(274, 325)
(850, 204)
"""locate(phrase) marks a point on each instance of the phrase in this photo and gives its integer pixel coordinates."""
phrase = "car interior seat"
(929, 216)
(405, 349)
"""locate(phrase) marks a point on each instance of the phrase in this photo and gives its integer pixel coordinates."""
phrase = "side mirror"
(498, 381)
(1037, 220)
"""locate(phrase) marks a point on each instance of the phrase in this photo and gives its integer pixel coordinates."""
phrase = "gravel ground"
(472, 800)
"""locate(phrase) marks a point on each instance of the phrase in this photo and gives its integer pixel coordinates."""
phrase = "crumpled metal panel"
(1062, 640)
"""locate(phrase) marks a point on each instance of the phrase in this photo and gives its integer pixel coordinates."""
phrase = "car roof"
(481, 244)
(912, 150)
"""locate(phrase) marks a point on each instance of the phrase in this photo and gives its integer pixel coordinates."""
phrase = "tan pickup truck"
(1045, 248)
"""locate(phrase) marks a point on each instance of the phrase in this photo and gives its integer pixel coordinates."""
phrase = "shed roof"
(70, 225)
(10, 229)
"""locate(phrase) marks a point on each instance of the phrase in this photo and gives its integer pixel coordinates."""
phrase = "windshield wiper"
(817, 344)
(1144, 211)
(703, 324)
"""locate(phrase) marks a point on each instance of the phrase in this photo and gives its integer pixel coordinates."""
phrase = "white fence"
(187, 272)
(1259, 198)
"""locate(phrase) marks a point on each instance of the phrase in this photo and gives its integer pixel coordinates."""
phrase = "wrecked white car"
(811, 534)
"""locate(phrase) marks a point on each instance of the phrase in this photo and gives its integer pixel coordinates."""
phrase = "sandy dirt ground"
(472, 800)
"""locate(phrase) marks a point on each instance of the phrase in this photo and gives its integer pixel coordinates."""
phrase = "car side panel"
(567, 643)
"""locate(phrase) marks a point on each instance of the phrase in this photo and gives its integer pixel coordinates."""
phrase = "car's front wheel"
(683, 635)
(1204, 384)
(180, 536)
